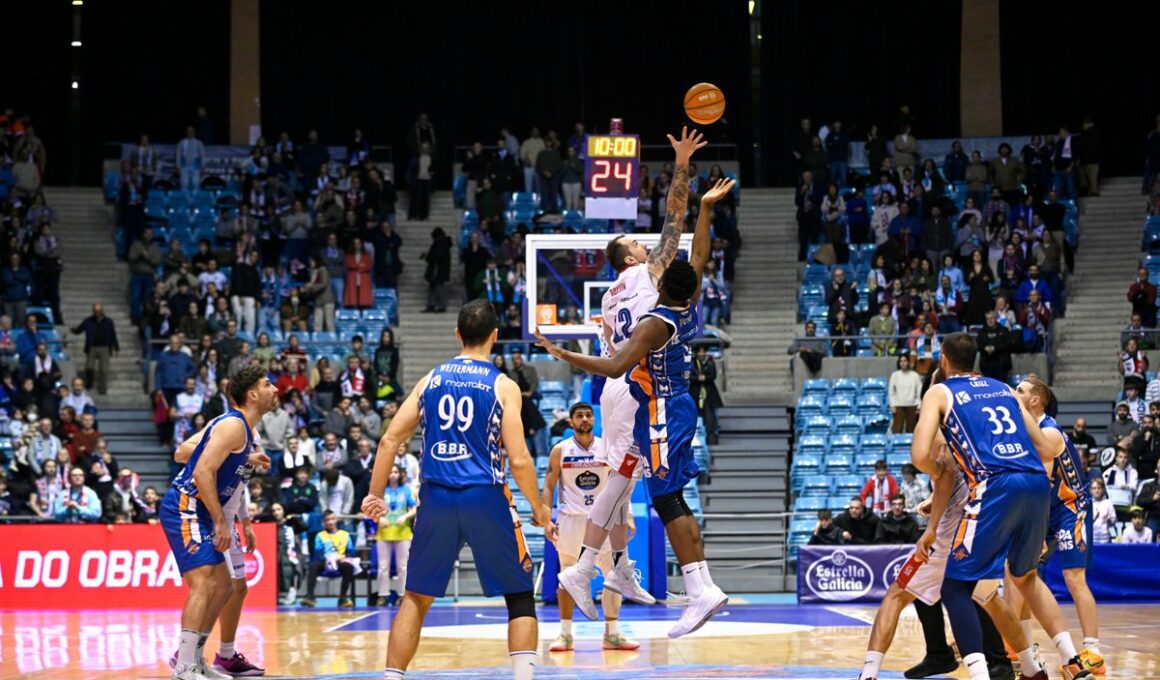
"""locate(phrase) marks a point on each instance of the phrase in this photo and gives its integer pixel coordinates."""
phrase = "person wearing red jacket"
(292, 379)
(879, 489)
(1142, 295)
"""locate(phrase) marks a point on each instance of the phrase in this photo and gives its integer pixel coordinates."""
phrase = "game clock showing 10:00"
(612, 165)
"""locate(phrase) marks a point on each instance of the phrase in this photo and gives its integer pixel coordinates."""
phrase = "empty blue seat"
(870, 405)
(874, 386)
(810, 405)
(846, 386)
(347, 315)
(841, 405)
(837, 464)
(848, 485)
(875, 444)
(806, 463)
(818, 426)
(895, 461)
(851, 425)
(812, 445)
(375, 315)
(324, 336)
(801, 528)
(815, 485)
(864, 463)
(810, 504)
(816, 386)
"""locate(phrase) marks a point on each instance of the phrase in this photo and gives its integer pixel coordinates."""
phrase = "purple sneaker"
(238, 666)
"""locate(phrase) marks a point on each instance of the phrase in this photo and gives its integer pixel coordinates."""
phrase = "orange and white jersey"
(627, 301)
(582, 476)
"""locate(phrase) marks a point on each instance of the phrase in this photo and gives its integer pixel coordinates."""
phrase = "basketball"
(704, 103)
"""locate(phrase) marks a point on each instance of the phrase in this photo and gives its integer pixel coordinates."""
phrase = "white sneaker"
(188, 672)
(578, 584)
(700, 610)
(210, 673)
(625, 580)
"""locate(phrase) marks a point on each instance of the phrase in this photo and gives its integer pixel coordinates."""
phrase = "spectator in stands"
(246, 290)
(913, 490)
(1007, 174)
(837, 153)
(100, 345)
(811, 349)
(937, 237)
(336, 492)
(841, 294)
(438, 272)
(1036, 321)
(320, 290)
(144, 258)
(1145, 451)
(1088, 148)
(879, 489)
(858, 526)
(17, 286)
(883, 330)
(333, 551)
(1136, 532)
(1010, 271)
(808, 199)
(1144, 338)
(420, 176)
(1122, 425)
(842, 330)
(1142, 295)
(1084, 442)
(1034, 282)
(190, 155)
(84, 442)
(955, 163)
(78, 503)
(387, 264)
(905, 149)
(1133, 366)
(884, 213)
(817, 161)
(907, 228)
(79, 398)
(979, 280)
(970, 237)
(825, 531)
(1063, 163)
(995, 347)
(301, 497)
(857, 215)
(897, 526)
(977, 176)
(359, 290)
(927, 348)
(703, 387)
(833, 214)
(1103, 512)
(275, 429)
(947, 304)
(1121, 475)
(1148, 499)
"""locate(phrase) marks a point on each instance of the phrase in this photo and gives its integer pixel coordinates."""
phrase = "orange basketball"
(704, 103)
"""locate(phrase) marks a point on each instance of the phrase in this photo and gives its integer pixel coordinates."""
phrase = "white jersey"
(582, 476)
(627, 301)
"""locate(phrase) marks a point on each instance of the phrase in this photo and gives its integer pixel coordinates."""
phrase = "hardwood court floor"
(466, 641)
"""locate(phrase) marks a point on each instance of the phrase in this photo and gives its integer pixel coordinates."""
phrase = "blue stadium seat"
(817, 426)
(870, 405)
(846, 386)
(875, 444)
(801, 528)
(347, 315)
(816, 273)
(838, 464)
(848, 425)
(324, 337)
(810, 405)
(875, 386)
(43, 313)
(806, 464)
(841, 405)
(838, 503)
(573, 219)
(811, 446)
(810, 504)
(848, 485)
(815, 485)
(895, 461)
(864, 463)
(816, 386)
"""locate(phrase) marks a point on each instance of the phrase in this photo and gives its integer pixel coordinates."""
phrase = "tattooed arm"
(666, 249)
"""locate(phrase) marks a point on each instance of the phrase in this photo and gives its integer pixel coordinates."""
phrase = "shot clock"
(611, 176)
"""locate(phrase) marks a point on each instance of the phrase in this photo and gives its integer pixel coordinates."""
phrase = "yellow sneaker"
(563, 643)
(1093, 662)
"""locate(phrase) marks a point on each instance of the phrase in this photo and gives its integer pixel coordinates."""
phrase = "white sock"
(976, 666)
(393, 674)
(611, 627)
(1093, 644)
(872, 665)
(703, 569)
(1026, 625)
(523, 665)
(694, 586)
(187, 647)
(1029, 660)
(1065, 646)
(201, 638)
(587, 559)
(227, 650)
(565, 626)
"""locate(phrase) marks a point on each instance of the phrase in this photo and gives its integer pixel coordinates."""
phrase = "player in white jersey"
(575, 464)
(229, 662)
(632, 296)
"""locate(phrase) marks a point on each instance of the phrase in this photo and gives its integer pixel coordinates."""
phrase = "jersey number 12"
(623, 327)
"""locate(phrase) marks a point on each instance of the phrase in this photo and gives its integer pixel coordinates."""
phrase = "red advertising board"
(117, 566)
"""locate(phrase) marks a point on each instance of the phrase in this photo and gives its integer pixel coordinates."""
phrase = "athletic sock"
(976, 666)
(1029, 661)
(1065, 646)
(616, 557)
(694, 586)
(227, 650)
(703, 569)
(611, 627)
(393, 674)
(933, 629)
(565, 626)
(872, 665)
(1026, 625)
(587, 559)
(187, 647)
(1092, 644)
(201, 638)
(523, 665)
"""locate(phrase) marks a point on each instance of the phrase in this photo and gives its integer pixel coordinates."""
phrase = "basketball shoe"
(237, 666)
(1093, 661)
(187, 672)
(701, 608)
(563, 643)
(1074, 669)
(625, 580)
(618, 641)
(203, 668)
(578, 583)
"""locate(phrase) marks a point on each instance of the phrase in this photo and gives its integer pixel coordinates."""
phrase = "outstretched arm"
(699, 255)
(649, 334)
(666, 249)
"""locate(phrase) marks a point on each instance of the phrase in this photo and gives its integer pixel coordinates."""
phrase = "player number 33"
(1000, 419)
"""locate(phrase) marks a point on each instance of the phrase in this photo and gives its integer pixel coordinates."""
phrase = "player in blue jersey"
(657, 362)
(1002, 452)
(470, 415)
(195, 523)
(1069, 526)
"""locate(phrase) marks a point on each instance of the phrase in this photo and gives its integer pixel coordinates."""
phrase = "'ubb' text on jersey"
(627, 302)
(1069, 483)
(984, 429)
(582, 476)
(231, 474)
(460, 412)
(664, 372)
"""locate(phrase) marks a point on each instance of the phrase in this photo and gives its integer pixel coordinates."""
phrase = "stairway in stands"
(1111, 228)
(92, 274)
(746, 483)
(133, 440)
(764, 300)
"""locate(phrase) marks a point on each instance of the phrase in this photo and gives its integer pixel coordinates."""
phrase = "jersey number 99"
(458, 414)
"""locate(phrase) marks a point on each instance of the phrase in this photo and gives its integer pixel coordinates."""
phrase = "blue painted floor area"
(669, 672)
(467, 615)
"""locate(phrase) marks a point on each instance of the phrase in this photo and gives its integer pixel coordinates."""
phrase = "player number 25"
(458, 414)
(1000, 419)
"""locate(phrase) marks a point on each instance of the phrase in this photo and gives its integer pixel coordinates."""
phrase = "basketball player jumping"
(573, 463)
(1069, 527)
(660, 360)
(195, 522)
(995, 443)
(468, 410)
(632, 296)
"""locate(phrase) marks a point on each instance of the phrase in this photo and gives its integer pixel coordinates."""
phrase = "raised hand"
(548, 345)
(719, 191)
(687, 144)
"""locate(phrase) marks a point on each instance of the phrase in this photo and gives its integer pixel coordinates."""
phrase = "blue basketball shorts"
(1004, 521)
(478, 516)
(1069, 532)
(189, 529)
(664, 432)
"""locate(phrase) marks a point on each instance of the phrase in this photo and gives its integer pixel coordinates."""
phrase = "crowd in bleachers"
(913, 250)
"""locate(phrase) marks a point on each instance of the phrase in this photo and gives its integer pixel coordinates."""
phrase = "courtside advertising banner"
(862, 573)
(115, 566)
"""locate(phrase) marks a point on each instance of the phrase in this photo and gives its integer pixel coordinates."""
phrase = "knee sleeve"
(610, 507)
(671, 507)
(520, 605)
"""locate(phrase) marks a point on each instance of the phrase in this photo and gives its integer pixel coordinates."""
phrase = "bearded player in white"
(582, 476)
(632, 296)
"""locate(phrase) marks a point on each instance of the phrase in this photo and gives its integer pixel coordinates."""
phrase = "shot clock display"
(612, 167)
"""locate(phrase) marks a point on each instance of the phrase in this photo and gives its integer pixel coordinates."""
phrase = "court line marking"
(356, 619)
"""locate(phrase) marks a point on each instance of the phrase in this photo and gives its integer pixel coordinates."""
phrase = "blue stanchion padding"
(1117, 573)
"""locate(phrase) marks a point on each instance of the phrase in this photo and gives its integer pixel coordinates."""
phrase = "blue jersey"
(665, 372)
(984, 429)
(1069, 482)
(460, 413)
(231, 474)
